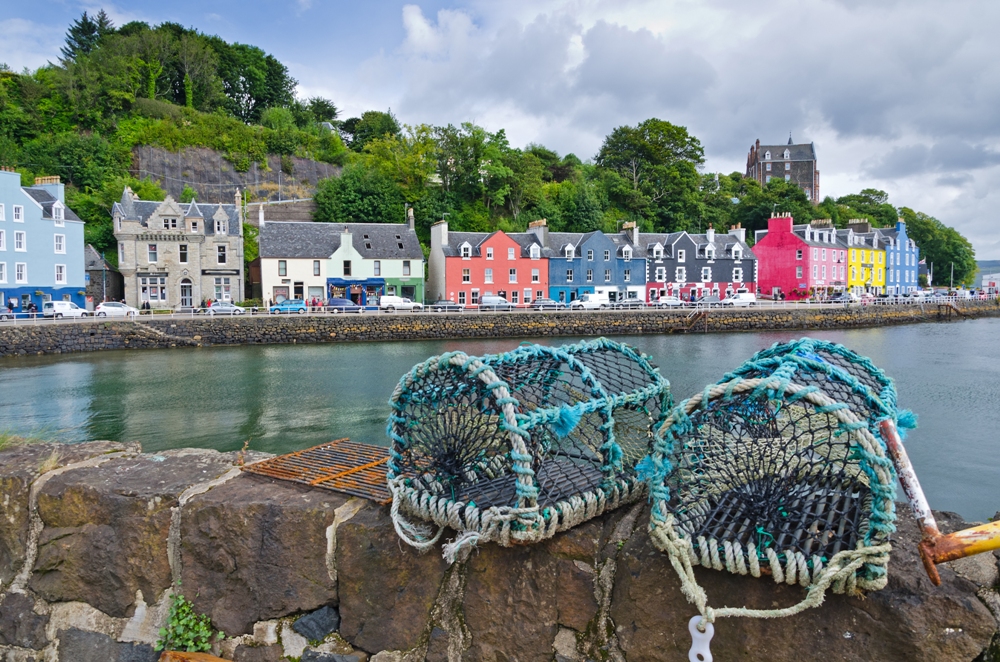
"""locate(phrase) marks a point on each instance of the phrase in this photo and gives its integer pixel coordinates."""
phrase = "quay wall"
(94, 537)
(46, 337)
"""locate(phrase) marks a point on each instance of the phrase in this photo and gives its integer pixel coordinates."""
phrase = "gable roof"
(476, 239)
(805, 152)
(298, 239)
(140, 211)
(47, 200)
(92, 260)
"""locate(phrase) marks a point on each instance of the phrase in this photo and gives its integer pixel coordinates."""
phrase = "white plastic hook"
(700, 651)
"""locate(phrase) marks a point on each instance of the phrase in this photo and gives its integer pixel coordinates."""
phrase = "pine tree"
(84, 35)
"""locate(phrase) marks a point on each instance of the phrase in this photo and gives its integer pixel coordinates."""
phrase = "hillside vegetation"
(173, 87)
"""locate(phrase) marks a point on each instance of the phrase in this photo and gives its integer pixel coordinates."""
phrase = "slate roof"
(299, 239)
(476, 239)
(93, 261)
(46, 200)
(140, 211)
(840, 236)
(806, 152)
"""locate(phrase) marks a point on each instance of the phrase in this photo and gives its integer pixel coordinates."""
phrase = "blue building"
(592, 262)
(41, 244)
(902, 258)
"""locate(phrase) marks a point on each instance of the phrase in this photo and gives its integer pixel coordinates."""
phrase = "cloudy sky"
(899, 95)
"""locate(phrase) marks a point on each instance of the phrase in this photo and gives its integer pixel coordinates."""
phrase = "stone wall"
(150, 332)
(94, 536)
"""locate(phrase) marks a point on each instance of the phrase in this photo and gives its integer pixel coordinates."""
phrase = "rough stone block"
(20, 625)
(255, 549)
(107, 527)
(257, 654)
(317, 625)
(82, 646)
(383, 581)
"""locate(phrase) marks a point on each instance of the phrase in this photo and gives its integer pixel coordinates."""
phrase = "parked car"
(338, 305)
(115, 309)
(224, 308)
(630, 304)
(741, 297)
(58, 309)
(547, 304)
(708, 301)
(391, 304)
(588, 301)
(289, 306)
(495, 303)
(446, 306)
(668, 301)
(844, 297)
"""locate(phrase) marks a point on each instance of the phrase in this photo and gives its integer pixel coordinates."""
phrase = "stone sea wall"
(93, 538)
(48, 338)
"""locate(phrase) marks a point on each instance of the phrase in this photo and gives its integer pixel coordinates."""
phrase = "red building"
(799, 260)
(478, 264)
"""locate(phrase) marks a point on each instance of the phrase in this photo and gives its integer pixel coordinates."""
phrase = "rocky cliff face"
(94, 537)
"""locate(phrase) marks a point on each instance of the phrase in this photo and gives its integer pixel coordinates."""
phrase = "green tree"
(188, 194)
(409, 158)
(362, 194)
(941, 246)
(372, 124)
(777, 196)
(85, 34)
(251, 79)
(526, 180)
(871, 204)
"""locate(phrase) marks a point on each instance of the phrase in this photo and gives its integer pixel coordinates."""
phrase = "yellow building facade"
(866, 267)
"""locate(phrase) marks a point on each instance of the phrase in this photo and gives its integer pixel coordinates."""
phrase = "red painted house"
(795, 260)
(466, 266)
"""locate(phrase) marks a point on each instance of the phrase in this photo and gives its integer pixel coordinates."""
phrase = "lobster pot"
(769, 476)
(517, 446)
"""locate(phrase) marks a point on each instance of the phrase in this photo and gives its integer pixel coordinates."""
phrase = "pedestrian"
(10, 305)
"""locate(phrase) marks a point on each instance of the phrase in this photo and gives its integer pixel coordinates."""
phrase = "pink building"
(799, 260)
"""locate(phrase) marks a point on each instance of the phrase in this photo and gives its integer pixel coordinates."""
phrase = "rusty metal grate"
(342, 466)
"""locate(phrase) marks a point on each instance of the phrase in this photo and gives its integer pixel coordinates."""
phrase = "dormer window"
(737, 253)
(535, 252)
(570, 252)
(657, 253)
(767, 156)
(170, 224)
(221, 227)
(710, 252)
(466, 251)
(57, 213)
(194, 226)
(788, 154)
(627, 254)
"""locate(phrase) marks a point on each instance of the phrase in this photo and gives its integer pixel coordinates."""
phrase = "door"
(187, 295)
(300, 290)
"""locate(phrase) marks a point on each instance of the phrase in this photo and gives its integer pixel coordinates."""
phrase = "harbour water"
(287, 397)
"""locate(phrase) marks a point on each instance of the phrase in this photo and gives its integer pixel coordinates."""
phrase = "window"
(535, 277)
(406, 267)
(767, 167)
(510, 255)
(681, 255)
(221, 227)
(569, 275)
(767, 180)
(788, 154)
(60, 274)
(706, 274)
(316, 268)
(121, 252)
(607, 275)
(680, 275)
(535, 252)
(823, 271)
(627, 275)
(223, 291)
(539, 294)
(170, 224)
(661, 274)
(488, 276)
(20, 242)
(527, 296)
(815, 271)
(738, 275)
(466, 251)
(18, 214)
(842, 273)
(475, 297)
(182, 253)
(788, 166)
(879, 276)
(569, 252)
(590, 256)
(194, 226)
(823, 254)
(737, 253)
(815, 253)
(466, 276)
(60, 243)
(657, 253)
(57, 216)
(798, 254)
(151, 252)
(347, 268)
(767, 156)
(461, 298)
(3, 243)
(512, 276)
(881, 255)
(220, 252)
(489, 253)
(282, 267)
(3, 216)
(788, 178)
(377, 266)
(798, 272)
(21, 272)
(607, 255)
(710, 252)
(627, 254)
(590, 275)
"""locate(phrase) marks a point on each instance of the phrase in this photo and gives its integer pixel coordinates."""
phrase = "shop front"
(362, 291)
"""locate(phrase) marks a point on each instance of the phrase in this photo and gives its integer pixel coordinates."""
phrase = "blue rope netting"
(781, 465)
(514, 447)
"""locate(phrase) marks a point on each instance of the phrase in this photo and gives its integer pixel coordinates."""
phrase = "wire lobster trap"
(516, 447)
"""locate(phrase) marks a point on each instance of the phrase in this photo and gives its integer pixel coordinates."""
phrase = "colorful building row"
(798, 261)
(630, 265)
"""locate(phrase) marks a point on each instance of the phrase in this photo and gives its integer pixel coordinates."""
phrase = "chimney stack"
(540, 229)
(410, 221)
(260, 214)
(634, 227)
(738, 231)
(710, 234)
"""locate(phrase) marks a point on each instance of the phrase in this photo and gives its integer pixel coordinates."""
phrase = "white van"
(58, 309)
(741, 297)
(390, 304)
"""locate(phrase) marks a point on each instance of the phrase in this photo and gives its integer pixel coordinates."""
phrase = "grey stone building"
(104, 281)
(791, 162)
(176, 255)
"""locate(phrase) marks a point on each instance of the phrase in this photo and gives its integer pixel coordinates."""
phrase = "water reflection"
(289, 397)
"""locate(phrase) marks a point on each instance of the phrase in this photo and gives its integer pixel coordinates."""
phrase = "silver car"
(115, 309)
(224, 308)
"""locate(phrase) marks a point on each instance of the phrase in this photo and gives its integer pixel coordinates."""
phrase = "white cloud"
(28, 44)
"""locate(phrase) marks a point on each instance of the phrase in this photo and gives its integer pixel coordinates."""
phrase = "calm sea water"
(288, 397)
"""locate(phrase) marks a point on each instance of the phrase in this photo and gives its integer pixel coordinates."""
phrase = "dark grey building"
(793, 163)
(104, 281)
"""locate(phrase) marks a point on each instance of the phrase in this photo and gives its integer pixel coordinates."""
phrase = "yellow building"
(865, 263)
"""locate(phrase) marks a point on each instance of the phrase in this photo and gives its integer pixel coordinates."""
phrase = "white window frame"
(3, 272)
(406, 267)
(3, 215)
(767, 167)
(466, 275)
(377, 266)
(489, 252)
(627, 275)
(60, 274)
(152, 253)
(59, 243)
(461, 298)
(661, 275)
(569, 275)
(21, 239)
(282, 268)
(607, 255)
(20, 272)
(627, 254)
(535, 276)
(815, 253)
(488, 275)
(590, 275)
(798, 272)
(510, 254)
(58, 216)
(706, 274)
(18, 213)
(182, 253)
(222, 254)
(466, 252)
(3, 241)
(222, 227)
(815, 271)
(681, 255)
(680, 275)
(512, 275)
(590, 255)
(738, 274)
(570, 253)
(788, 178)
(121, 252)
(710, 252)
(535, 253)
(788, 166)
(169, 223)
(607, 275)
